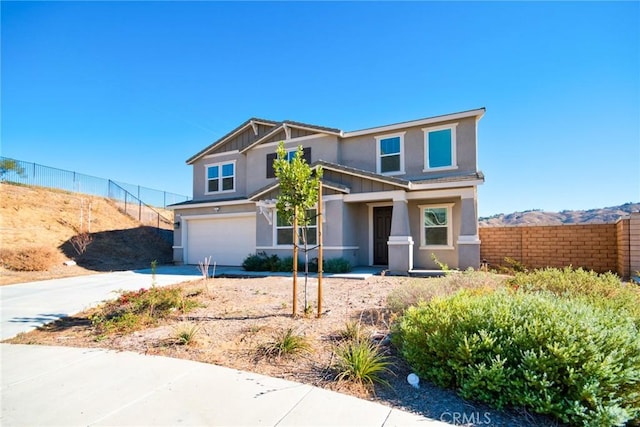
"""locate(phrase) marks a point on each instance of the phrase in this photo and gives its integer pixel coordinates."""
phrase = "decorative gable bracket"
(254, 126)
(266, 209)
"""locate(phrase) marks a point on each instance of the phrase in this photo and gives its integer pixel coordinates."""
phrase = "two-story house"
(395, 195)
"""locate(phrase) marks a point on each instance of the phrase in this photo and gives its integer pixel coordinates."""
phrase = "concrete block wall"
(591, 246)
(622, 240)
(634, 243)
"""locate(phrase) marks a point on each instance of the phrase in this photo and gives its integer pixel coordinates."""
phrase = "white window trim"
(449, 245)
(291, 151)
(275, 231)
(206, 177)
(454, 159)
(378, 158)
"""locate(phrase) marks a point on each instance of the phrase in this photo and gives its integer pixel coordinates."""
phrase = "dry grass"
(36, 220)
(36, 258)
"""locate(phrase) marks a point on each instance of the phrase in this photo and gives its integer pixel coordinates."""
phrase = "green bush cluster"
(603, 290)
(565, 357)
(134, 310)
(263, 262)
(419, 290)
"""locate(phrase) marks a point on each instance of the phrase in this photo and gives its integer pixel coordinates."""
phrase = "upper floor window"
(306, 154)
(436, 232)
(440, 147)
(221, 177)
(284, 231)
(390, 154)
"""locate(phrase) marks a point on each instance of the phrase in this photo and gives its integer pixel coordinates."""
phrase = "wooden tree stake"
(320, 250)
(295, 264)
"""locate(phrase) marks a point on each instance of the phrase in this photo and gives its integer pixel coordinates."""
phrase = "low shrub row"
(263, 262)
(603, 290)
(560, 342)
(418, 290)
(134, 310)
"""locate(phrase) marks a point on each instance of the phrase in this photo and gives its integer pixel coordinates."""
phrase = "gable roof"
(279, 126)
(398, 182)
(282, 126)
(477, 113)
(276, 127)
(270, 187)
(249, 123)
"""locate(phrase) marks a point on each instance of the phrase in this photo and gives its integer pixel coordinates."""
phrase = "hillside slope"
(537, 217)
(32, 217)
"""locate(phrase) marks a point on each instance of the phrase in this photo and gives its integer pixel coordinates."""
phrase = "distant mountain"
(539, 217)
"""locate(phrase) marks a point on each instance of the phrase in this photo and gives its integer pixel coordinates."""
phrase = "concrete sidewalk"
(65, 386)
(25, 306)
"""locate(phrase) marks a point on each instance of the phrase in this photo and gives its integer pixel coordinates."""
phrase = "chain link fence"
(138, 202)
(27, 173)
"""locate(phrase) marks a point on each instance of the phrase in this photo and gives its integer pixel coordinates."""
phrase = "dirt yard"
(238, 316)
(35, 217)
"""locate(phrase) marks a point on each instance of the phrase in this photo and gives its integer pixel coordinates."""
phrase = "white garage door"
(226, 240)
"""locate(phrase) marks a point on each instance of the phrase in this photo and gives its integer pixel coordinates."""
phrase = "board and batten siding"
(355, 183)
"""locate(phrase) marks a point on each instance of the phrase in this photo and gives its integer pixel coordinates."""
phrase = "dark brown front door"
(381, 231)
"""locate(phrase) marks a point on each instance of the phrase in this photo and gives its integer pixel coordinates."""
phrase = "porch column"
(468, 240)
(400, 242)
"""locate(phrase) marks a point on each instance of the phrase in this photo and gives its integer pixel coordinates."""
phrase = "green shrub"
(361, 361)
(513, 266)
(419, 290)
(287, 343)
(336, 265)
(186, 334)
(261, 262)
(133, 310)
(564, 357)
(603, 290)
(286, 264)
(353, 330)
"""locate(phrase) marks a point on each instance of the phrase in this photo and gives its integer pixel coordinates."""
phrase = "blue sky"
(130, 90)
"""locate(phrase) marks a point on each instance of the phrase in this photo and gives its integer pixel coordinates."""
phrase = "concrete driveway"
(26, 306)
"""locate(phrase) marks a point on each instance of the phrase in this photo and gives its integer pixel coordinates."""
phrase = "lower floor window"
(284, 231)
(436, 226)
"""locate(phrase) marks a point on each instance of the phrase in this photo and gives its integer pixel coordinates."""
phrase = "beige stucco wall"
(200, 176)
(322, 148)
(360, 151)
(251, 167)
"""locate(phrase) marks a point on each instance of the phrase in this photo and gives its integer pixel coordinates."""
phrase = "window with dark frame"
(271, 157)
(284, 231)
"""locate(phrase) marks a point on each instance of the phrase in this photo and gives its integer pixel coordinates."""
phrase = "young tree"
(298, 194)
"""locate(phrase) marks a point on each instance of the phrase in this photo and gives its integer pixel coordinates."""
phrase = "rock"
(69, 263)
